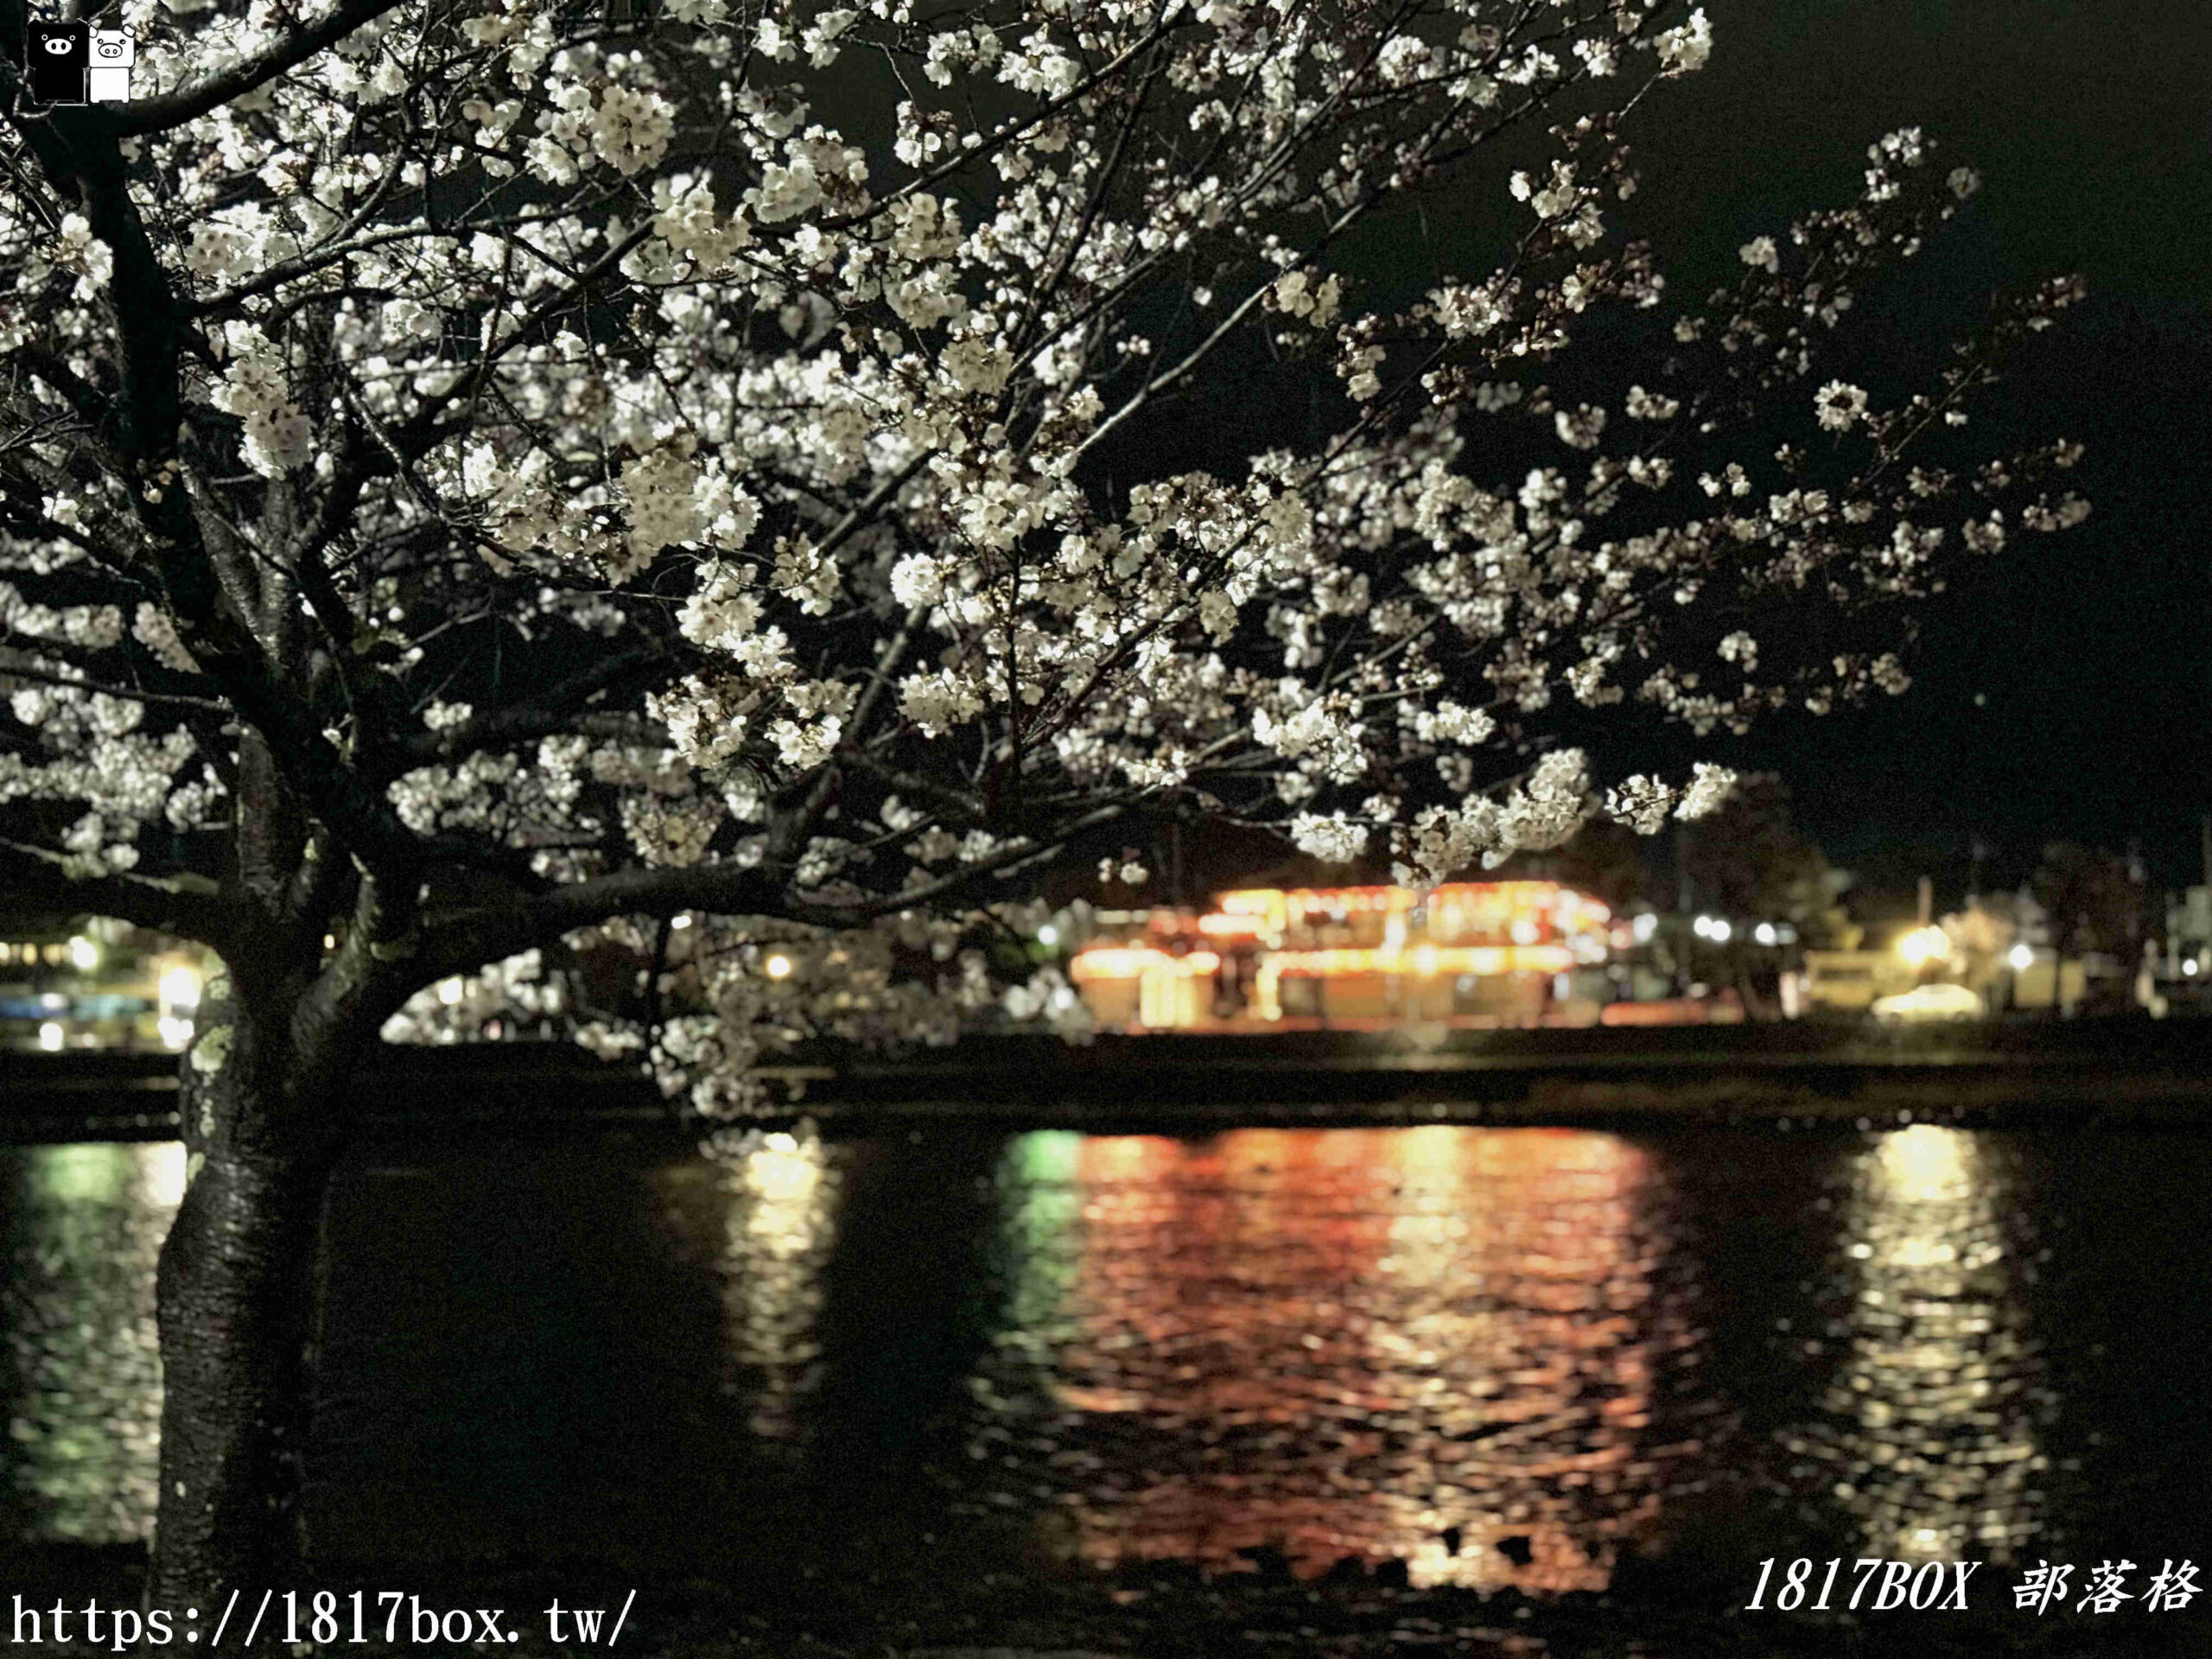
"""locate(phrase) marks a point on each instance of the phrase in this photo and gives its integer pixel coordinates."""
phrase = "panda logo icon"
(113, 53)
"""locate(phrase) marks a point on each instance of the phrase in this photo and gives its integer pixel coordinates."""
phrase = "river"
(1505, 1357)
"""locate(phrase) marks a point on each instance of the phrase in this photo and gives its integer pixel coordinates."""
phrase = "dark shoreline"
(2103, 1072)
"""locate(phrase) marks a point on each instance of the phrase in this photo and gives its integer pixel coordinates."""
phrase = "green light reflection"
(82, 1361)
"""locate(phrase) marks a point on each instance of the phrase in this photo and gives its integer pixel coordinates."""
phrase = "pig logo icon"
(113, 53)
(57, 56)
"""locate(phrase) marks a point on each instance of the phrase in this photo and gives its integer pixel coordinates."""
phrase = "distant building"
(2189, 926)
(2034, 985)
(1477, 953)
(1852, 981)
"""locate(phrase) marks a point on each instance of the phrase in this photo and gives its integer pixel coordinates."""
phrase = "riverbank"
(2114, 1071)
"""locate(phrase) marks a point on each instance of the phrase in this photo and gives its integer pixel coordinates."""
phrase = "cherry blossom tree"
(481, 481)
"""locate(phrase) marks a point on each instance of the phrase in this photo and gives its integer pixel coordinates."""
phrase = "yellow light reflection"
(1928, 1432)
(779, 1233)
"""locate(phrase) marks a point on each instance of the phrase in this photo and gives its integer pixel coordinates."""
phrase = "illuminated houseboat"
(1488, 953)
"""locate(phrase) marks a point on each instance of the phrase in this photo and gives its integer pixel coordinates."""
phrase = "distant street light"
(49, 1037)
(1703, 927)
(84, 955)
(2021, 956)
(1721, 932)
(1048, 936)
(180, 988)
(1923, 945)
(779, 966)
(1764, 932)
(2190, 965)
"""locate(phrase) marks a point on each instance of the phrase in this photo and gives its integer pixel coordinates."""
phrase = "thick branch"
(186, 906)
(551, 715)
(201, 98)
(465, 943)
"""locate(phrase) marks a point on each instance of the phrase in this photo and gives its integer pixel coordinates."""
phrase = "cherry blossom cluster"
(578, 478)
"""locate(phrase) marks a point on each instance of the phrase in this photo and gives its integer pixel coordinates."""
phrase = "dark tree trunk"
(236, 1295)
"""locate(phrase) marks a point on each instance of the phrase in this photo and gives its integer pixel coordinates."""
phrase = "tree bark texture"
(236, 1292)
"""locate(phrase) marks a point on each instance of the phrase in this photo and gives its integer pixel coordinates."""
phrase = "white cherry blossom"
(479, 491)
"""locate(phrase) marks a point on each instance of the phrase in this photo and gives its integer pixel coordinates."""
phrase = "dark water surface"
(1505, 1357)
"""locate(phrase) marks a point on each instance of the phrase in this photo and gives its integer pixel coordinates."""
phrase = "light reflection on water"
(1502, 1357)
(82, 1364)
(1377, 1344)
(781, 1229)
(1927, 1430)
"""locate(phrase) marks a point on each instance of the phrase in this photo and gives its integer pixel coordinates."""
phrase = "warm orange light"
(1113, 962)
(1547, 1359)
(1528, 912)
(1445, 959)
(1241, 926)
(1275, 901)
(1135, 962)
(1252, 901)
(1923, 945)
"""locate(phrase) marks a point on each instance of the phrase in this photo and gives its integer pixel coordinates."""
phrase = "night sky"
(2066, 688)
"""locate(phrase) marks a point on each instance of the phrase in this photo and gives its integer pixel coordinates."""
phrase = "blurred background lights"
(1923, 945)
(180, 988)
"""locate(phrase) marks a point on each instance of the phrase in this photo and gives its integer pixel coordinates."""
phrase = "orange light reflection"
(1365, 1344)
